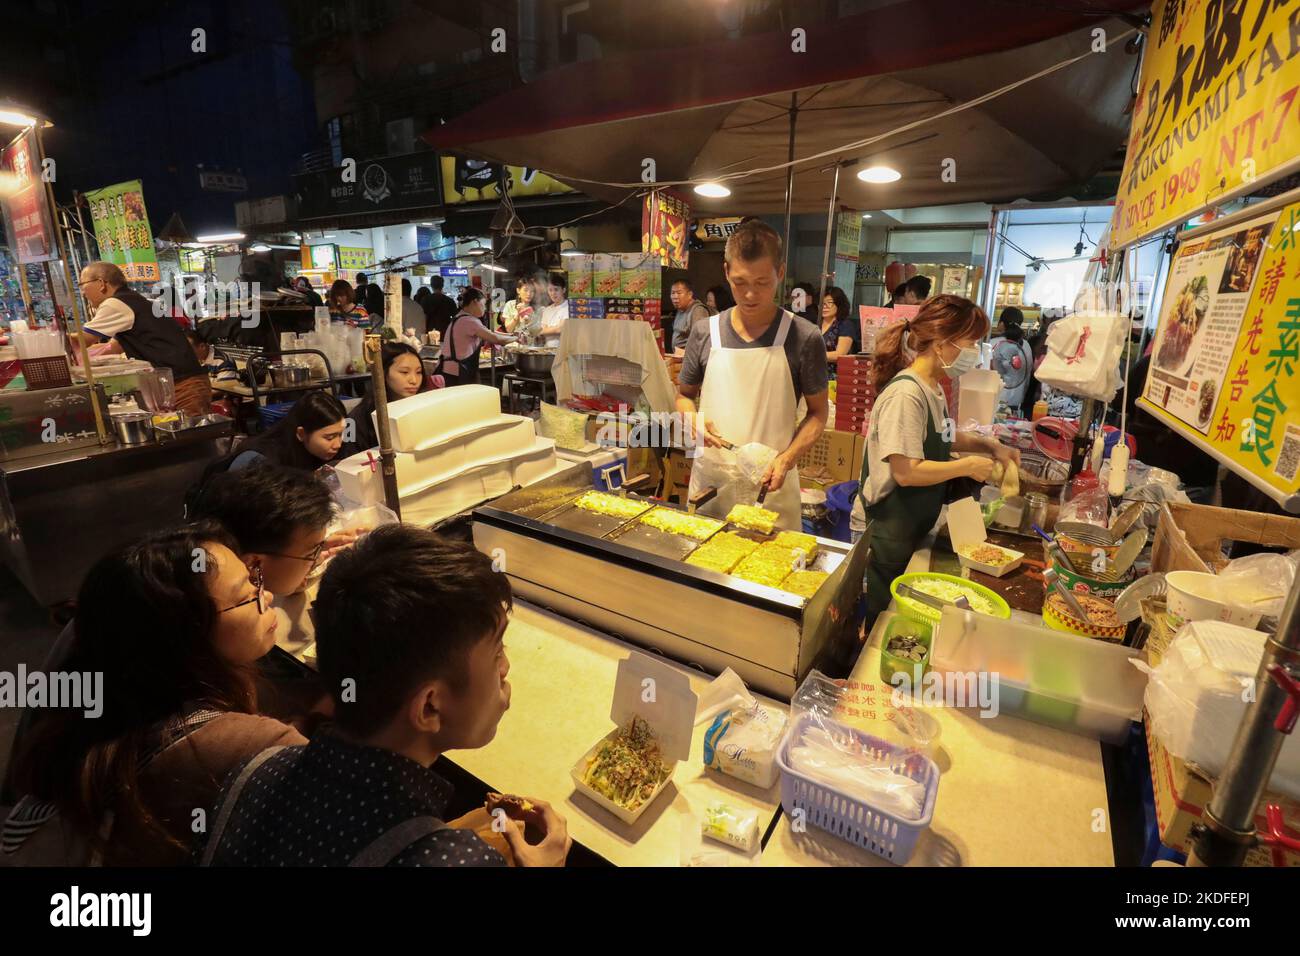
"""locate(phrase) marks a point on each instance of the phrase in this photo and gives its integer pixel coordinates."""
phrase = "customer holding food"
(403, 377)
(458, 354)
(748, 367)
(415, 624)
(124, 315)
(908, 462)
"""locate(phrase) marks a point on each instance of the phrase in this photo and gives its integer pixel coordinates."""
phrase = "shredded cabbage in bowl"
(948, 591)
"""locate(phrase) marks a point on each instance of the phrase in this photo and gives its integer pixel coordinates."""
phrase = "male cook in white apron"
(748, 367)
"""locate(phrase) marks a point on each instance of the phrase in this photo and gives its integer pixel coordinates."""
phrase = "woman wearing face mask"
(909, 462)
(403, 377)
(458, 355)
(176, 640)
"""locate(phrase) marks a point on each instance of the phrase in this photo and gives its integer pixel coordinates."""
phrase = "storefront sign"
(322, 257)
(1216, 109)
(715, 230)
(476, 180)
(1227, 350)
(192, 260)
(122, 230)
(26, 212)
(214, 180)
(433, 246)
(848, 236)
(388, 184)
(353, 258)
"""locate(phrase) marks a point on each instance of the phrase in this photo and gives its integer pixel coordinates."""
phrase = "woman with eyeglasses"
(175, 624)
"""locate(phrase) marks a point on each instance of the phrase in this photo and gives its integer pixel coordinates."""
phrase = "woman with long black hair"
(175, 625)
(403, 377)
(309, 436)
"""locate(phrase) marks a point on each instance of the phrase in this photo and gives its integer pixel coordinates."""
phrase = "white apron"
(748, 394)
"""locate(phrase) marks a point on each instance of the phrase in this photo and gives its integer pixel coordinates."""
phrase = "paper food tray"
(670, 712)
(965, 528)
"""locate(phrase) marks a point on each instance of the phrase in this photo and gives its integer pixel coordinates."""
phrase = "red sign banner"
(22, 197)
(664, 217)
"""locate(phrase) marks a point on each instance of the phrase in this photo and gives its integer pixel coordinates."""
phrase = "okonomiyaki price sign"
(1217, 110)
(1227, 352)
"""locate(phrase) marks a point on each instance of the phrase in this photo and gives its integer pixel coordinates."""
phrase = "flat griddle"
(572, 518)
(665, 544)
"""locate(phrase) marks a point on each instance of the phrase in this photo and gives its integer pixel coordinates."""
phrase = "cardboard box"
(1190, 537)
(830, 458)
(662, 697)
(1183, 790)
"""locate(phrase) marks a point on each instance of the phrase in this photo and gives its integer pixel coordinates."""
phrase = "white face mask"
(967, 359)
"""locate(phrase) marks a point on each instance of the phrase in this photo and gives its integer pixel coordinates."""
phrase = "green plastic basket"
(891, 665)
(929, 615)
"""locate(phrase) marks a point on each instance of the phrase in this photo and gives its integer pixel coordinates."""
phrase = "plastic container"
(853, 818)
(890, 665)
(978, 398)
(839, 505)
(1082, 686)
(1197, 596)
(930, 615)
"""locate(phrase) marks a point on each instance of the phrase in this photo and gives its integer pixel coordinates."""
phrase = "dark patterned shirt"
(322, 804)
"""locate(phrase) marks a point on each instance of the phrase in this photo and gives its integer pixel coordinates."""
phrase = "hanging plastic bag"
(1083, 355)
(1261, 581)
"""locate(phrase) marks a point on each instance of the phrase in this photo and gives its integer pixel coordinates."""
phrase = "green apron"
(897, 523)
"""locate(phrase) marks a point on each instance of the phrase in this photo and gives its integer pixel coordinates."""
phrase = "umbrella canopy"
(701, 114)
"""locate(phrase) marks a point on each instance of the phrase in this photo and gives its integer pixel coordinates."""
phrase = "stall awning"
(701, 112)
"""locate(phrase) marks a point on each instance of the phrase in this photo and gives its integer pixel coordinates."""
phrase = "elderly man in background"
(123, 315)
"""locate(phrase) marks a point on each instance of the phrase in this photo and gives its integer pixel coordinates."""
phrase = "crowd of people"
(206, 721)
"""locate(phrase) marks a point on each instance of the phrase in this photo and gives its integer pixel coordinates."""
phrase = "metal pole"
(789, 179)
(74, 331)
(387, 460)
(81, 224)
(1229, 822)
(988, 291)
(826, 251)
(26, 292)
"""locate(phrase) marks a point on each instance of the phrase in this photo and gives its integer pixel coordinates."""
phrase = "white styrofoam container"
(966, 527)
(504, 437)
(670, 712)
(535, 463)
(442, 499)
(430, 418)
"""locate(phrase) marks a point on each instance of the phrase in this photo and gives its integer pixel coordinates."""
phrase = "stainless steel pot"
(535, 362)
(133, 428)
(290, 374)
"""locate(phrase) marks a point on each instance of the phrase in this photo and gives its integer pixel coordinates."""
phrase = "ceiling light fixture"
(712, 190)
(222, 237)
(879, 175)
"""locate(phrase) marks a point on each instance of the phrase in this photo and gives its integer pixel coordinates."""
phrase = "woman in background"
(342, 302)
(718, 299)
(839, 331)
(403, 377)
(309, 436)
(458, 355)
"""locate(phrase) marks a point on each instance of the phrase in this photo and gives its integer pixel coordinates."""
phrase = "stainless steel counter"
(62, 511)
(589, 574)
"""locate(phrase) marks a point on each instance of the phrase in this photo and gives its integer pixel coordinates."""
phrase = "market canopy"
(703, 112)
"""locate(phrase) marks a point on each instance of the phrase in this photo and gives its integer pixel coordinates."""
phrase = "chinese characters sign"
(1227, 350)
(122, 230)
(1216, 109)
(715, 230)
(664, 215)
(26, 213)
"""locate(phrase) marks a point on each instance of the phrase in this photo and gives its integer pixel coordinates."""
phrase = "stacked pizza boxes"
(855, 393)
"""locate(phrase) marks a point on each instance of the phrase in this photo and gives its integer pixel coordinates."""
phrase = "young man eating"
(409, 632)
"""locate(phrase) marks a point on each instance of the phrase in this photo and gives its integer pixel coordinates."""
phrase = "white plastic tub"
(1083, 686)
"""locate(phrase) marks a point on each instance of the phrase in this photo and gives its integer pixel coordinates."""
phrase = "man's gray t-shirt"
(684, 320)
(804, 351)
(899, 421)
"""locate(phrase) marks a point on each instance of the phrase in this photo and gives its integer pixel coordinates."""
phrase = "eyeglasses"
(259, 598)
(313, 557)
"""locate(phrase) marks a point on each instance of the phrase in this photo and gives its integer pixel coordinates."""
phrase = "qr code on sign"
(1288, 460)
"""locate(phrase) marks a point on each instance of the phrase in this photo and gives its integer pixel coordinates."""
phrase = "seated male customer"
(409, 634)
(120, 313)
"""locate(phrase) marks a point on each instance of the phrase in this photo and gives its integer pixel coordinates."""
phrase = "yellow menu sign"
(1227, 351)
(1216, 109)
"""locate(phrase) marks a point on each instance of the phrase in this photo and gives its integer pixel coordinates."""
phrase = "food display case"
(632, 580)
